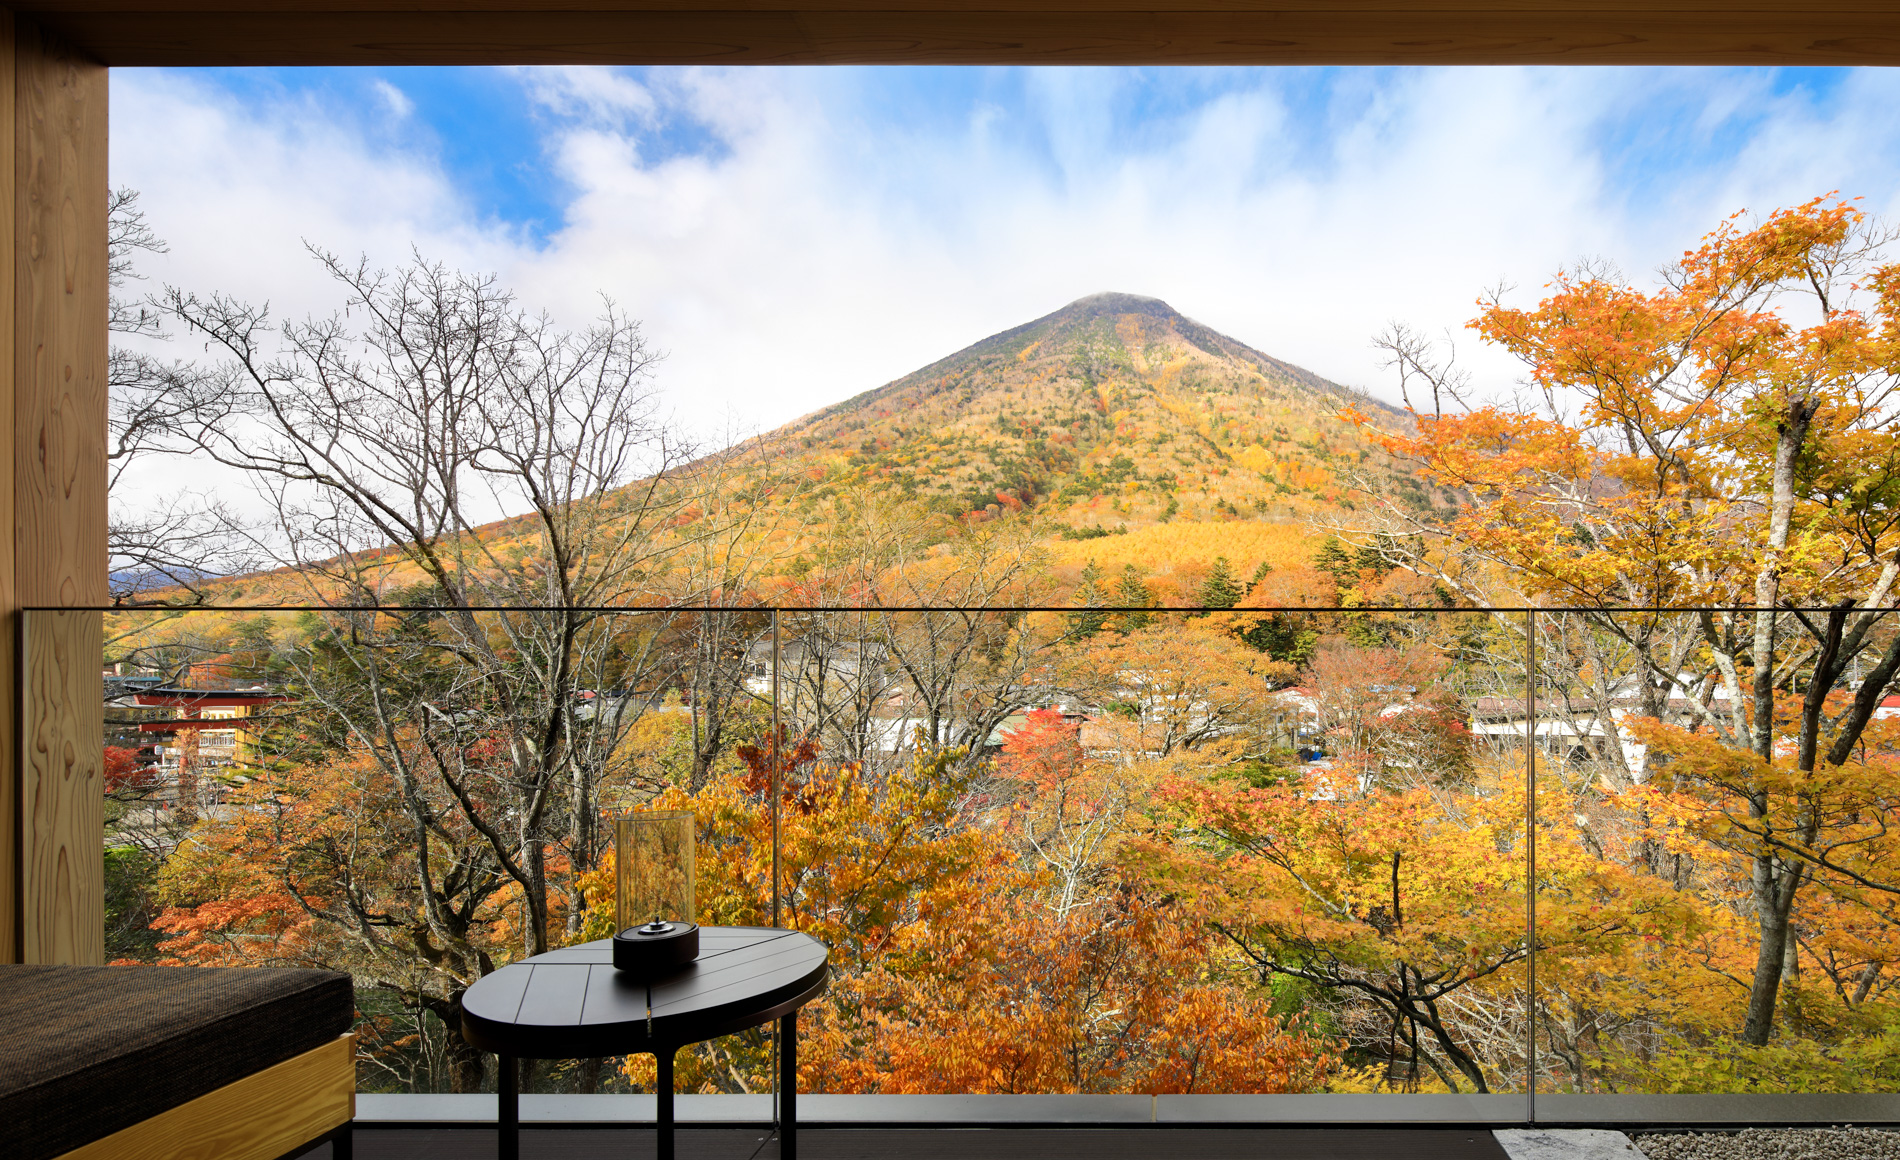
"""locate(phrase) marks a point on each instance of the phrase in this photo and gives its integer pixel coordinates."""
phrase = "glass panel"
(1155, 852)
(1715, 888)
(1086, 850)
(419, 797)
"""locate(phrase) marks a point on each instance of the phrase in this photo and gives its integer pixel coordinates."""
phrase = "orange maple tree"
(953, 968)
(1723, 441)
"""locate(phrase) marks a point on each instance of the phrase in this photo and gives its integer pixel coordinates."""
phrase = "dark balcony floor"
(942, 1144)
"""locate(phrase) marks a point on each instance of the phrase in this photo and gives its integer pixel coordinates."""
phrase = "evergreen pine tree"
(1372, 557)
(1089, 595)
(1220, 589)
(1132, 593)
(1333, 558)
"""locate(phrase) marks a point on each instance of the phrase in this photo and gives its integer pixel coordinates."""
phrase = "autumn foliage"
(1060, 838)
(956, 968)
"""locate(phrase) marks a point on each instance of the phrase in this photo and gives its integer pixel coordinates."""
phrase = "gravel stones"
(1774, 1144)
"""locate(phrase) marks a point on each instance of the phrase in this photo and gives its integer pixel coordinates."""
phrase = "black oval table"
(573, 1004)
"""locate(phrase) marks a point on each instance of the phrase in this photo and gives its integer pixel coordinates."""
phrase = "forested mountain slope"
(1114, 410)
(1115, 416)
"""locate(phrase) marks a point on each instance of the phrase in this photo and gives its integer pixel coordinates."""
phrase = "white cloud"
(237, 189)
(816, 239)
(596, 94)
(394, 100)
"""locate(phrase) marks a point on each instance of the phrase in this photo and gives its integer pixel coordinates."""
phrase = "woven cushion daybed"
(171, 1061)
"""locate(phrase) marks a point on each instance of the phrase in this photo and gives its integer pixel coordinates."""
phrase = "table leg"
(508, 1108)
(788, 1086)
(663, 1097)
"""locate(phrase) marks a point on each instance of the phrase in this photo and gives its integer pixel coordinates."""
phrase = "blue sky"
(492, 138)
(474, 123)
(794, 236)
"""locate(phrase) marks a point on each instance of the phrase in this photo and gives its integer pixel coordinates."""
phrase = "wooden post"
(53, 336)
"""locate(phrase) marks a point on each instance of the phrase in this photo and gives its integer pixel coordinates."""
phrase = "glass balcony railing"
(1065, 850)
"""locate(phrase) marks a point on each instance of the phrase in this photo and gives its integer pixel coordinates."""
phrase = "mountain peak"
(1100, 335)
(1113, 408)
(1115, 302)
(1109, 304)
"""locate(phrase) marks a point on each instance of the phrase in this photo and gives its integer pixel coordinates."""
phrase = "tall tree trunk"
(466, 1065)
(534, 903)
(1774, 883)
(1774, 890)
(1770, 952)
(580, 831)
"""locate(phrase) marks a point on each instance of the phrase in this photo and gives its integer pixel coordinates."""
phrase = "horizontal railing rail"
(1436, 609)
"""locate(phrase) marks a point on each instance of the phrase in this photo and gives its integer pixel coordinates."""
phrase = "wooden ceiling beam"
(1048, 32)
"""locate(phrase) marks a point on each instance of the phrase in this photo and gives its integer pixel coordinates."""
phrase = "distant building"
(832, 661)
(1573, 732)
(206, 734)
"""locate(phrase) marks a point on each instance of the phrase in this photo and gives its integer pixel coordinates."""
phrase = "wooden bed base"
(260, 1117)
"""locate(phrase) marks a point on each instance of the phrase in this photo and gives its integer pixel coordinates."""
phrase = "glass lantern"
(653, 868)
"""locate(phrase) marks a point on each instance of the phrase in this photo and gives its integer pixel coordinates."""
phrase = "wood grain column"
(53, 227)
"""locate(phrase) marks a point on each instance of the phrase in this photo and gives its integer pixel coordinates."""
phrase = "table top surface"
(572, 1003)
